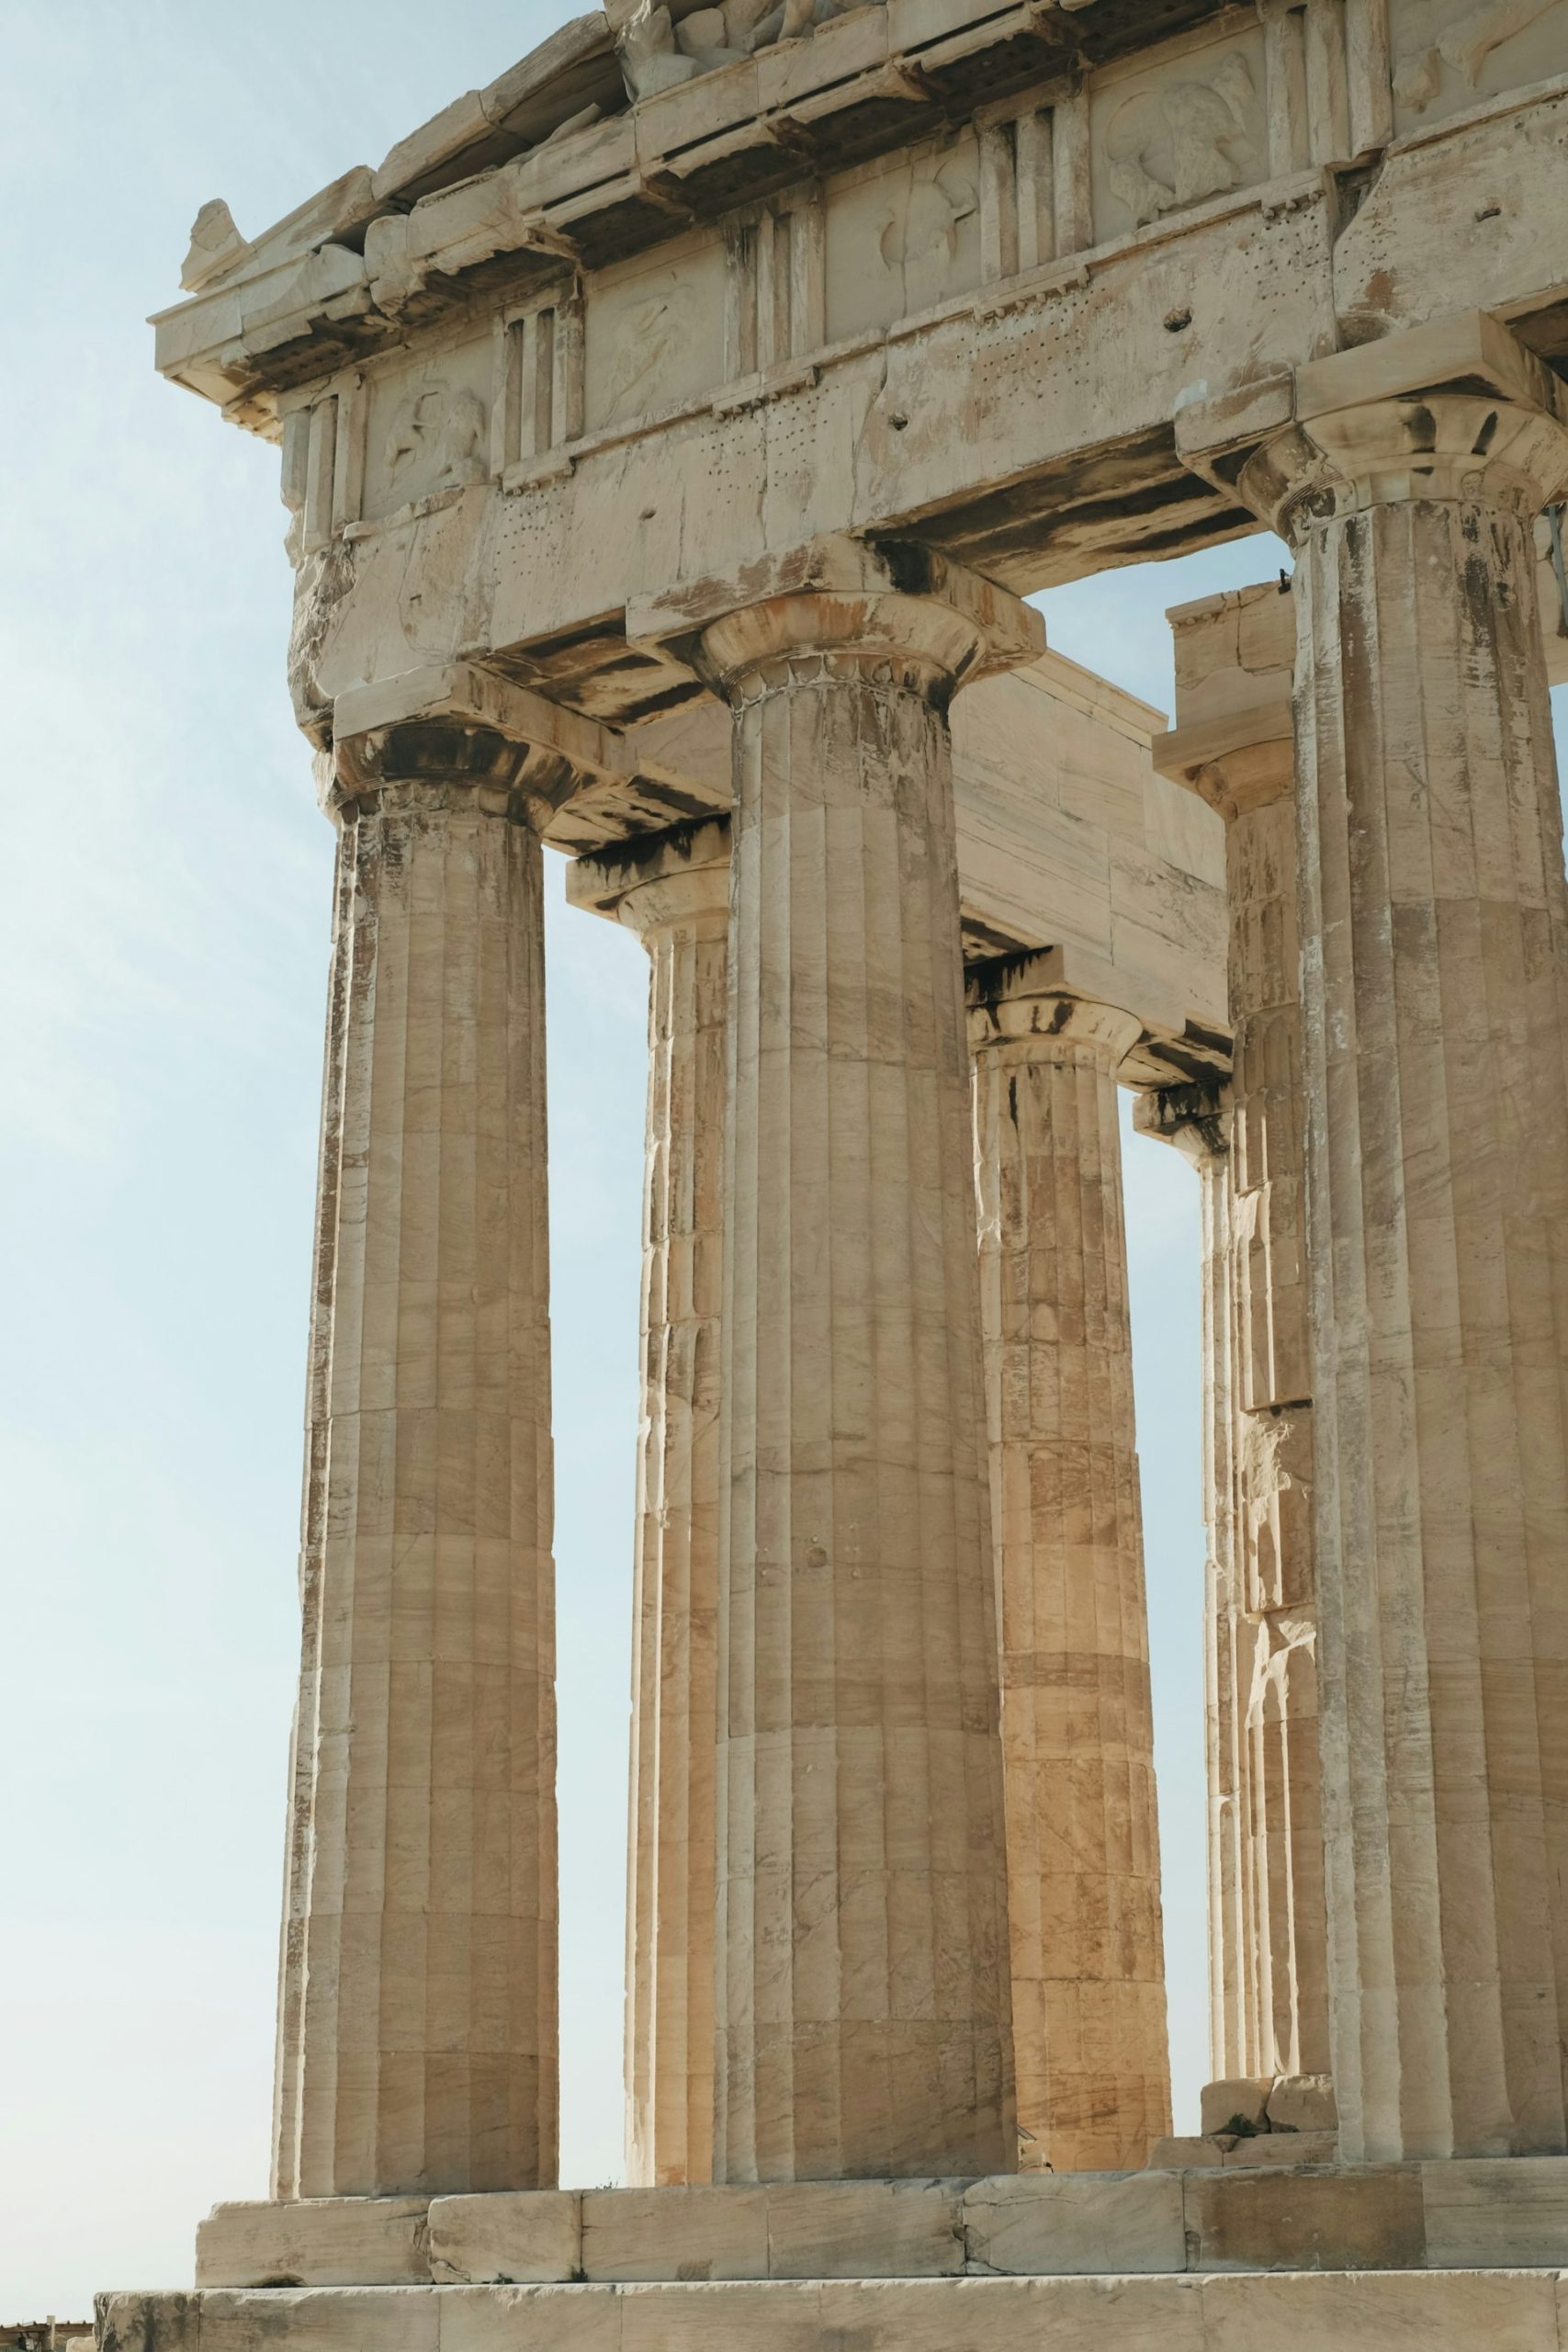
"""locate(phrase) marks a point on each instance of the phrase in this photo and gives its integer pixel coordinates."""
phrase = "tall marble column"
(417, 2013)
(1234, 746)
(861, 1976)
(1196, 1120)
(1434, 929)
(1078, 1736)
(672, 889)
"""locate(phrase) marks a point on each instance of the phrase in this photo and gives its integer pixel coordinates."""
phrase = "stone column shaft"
(673, 891)
(1082, 1830)
(862, 1959)
(1196, 1120)
(1234, 746)
(1274, 1433)
(1434, 929)
(417, 2035)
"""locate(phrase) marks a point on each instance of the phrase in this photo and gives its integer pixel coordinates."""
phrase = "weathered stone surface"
(1185, 2150)
(1234, 747)
(324, 2242)
(1234, 2095)
(1283, 2148)
(859, 2229)
(1084, 2222)
(518, 2239)
(692, 2234)
(416, 2023)
(1077, 1734)
(1506, 2311)
(855, 329)
(1346, 2312)
(675, 896)
(1434, 933)
(862, 1969)
(1489, 2215)
(1303, 2103)
(1369, 2219)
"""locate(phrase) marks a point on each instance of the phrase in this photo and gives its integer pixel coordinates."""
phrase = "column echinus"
(1234, 746)
(417, 2008)
(672, 889)
(862, 1966)
(1434, 935)
(1077, 1734)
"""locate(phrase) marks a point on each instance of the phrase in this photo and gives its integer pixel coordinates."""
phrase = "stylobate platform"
(1233, 2258)
(1443, 2310)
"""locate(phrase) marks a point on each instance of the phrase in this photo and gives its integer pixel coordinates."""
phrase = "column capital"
(897, 606)
(457, 736)
(652, 882)
(1024, 1008)
(1195, 1120)
(1454, 410)
(1234, 740)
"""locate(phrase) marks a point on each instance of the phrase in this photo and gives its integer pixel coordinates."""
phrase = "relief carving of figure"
(438, 441)
(657, 54)
(645, 338)
(1175, 145)
(920, 241)
(1466, 45)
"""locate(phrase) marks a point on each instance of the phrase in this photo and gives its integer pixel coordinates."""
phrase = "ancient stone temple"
(670, 436)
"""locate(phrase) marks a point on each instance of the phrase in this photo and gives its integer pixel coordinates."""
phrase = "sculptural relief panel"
(1173, 134)
(1449, 54)
(428, 428)
(654, 334)
(902, 236)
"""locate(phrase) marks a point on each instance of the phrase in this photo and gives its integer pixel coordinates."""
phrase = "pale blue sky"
(162, 963)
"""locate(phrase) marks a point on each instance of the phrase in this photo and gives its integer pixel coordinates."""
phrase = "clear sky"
(161, 969)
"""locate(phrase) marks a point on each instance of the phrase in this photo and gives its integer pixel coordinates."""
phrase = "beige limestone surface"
(1078, 1736)
(676, 898)
(1434, 930)
(1209, 2207)
(1068, 839)
(1234, 746)
(1300, 2310)
(861, 1977)
(1044, 237)
(921, 300)
(416, 2046)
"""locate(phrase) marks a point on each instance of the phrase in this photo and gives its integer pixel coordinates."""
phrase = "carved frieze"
(427, 428)
(903, 236)
(654, 334)
(1175, 134)
(1449, 54)
(657, 54)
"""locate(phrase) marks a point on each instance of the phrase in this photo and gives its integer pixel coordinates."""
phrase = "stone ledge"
(1436, 2310)
(1480, 2213)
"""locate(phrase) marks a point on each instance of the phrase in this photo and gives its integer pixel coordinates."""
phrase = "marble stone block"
(528, 2237)
(688, 2234)
(316, 2241)
(1075, 2223)
(1267, 2220)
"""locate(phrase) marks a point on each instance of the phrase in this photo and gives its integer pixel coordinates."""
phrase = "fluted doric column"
(1433, 939)
(861, 1939)
(417, 2011)
(1078, 1736)
(1196, 1119)
(1234, 746)
(672, 889)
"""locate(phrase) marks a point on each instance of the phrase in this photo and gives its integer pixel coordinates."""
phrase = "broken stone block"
(1235, 2099)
